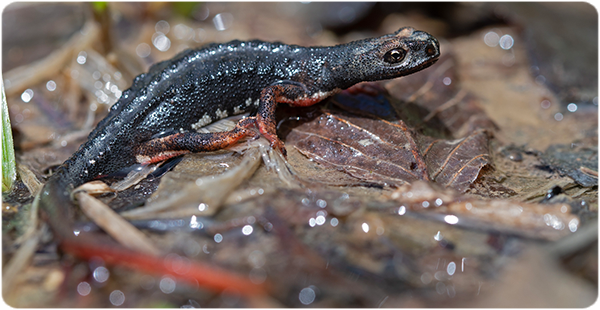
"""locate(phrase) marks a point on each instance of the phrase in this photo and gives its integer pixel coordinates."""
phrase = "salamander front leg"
(159, 149)
(293, 93)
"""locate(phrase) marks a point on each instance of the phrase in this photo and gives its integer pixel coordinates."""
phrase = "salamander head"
(404, 52)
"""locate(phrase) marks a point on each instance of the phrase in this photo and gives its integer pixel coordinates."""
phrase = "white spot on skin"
(205, 120)
(142, 158)
(318, 96)
(322, 95)
(168, 154)
(221, 114)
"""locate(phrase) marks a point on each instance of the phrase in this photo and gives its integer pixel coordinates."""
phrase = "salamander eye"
(394, 56)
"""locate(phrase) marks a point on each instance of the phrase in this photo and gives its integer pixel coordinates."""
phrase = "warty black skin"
(221, 80)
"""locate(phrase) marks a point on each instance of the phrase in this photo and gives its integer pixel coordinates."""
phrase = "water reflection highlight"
(117, 298)
(84, 288)
(307, 296)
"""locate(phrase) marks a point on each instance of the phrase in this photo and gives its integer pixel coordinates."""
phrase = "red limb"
(206, 276)
(177, 144)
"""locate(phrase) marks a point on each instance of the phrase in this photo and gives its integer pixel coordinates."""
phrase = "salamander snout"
(431, 45)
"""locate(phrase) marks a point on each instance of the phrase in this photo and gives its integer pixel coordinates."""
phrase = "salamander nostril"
(430, 49)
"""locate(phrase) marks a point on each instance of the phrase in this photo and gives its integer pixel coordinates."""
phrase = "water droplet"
(27, 95)
(540, 79)
(84, 288)
(307, 296)
(451, 268)
(191, 248)
(223, 21)
(162, 26)
(438, 236)
(365, 227)
(545, 104)
(81, 57)
(218, 238)
(257, 258)
(117, 298)
(161, 42)
(320, 220)
(451, 291)
(194, 224)
(18, 118)
(143, 50)
(200, 35)
(247, 230)
(257, 275)
(506, 42)
(51, 85)
(321, 203)
(183, 32)
(347, 14)
(558, 116)
(167, 285)
(402, 210)
(334, 222)
(447, 81)
(491, 39)
(572, 107)
(508, 59)
(426, 278)
(440, 275)
(573, 225)
(101, 274)
(440, 288)
(314, 30)
(451, 219)
(312, 222)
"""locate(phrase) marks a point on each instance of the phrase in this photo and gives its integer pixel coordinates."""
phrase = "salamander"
(155, 119)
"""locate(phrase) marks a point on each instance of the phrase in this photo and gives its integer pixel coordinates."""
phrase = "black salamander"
(156, 117)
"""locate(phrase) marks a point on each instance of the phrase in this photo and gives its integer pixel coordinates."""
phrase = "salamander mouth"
(420, 67)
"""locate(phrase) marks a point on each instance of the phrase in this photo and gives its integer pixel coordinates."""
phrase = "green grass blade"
(99, 6)
(9, 169)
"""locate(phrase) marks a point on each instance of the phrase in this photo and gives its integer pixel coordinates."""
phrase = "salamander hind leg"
(159, 149)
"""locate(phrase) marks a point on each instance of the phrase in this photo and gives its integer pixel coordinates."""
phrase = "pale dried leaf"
(208, 191)
(114, 224)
